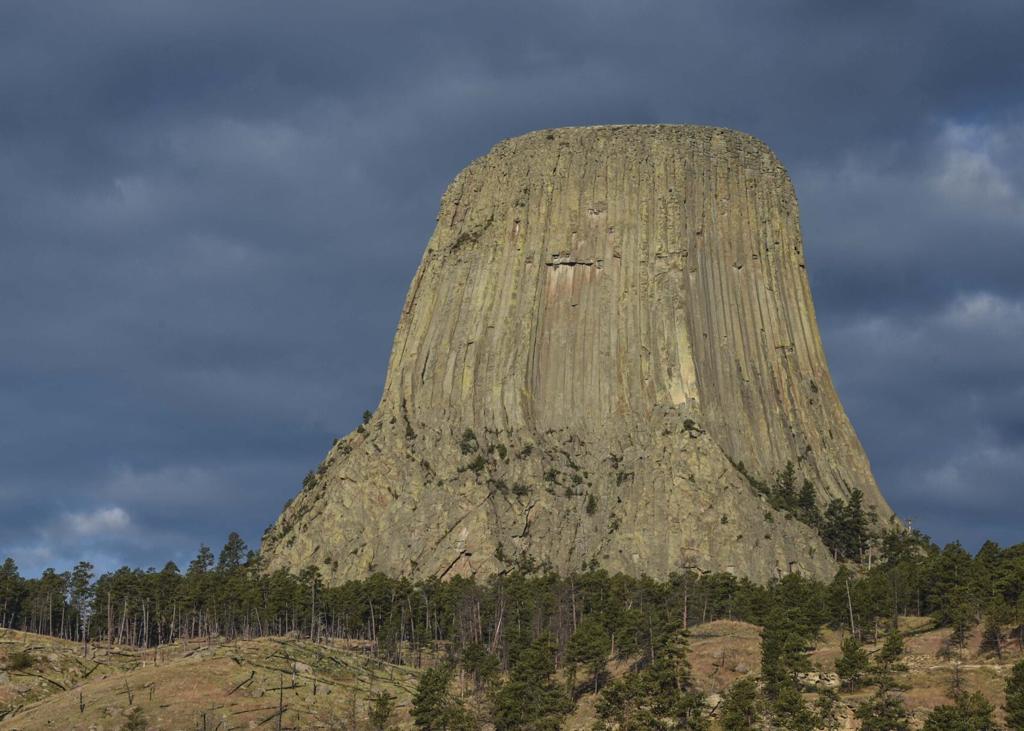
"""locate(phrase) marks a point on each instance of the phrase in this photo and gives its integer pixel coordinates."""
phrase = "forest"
(515, 634)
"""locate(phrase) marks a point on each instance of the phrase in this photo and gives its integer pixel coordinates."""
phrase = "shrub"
(136, 721)
(468, 443)
(20, 660)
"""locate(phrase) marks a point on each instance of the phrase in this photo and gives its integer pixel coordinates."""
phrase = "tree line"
(512, 634)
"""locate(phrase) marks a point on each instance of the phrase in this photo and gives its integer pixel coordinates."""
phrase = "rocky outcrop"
(606, 323)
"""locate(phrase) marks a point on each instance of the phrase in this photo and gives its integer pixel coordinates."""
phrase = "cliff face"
(605, 322)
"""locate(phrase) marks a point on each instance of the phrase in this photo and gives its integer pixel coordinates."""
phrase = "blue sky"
(210, 214)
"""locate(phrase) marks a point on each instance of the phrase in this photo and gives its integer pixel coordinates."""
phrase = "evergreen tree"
(886, 662)
(807, 505)
(81, 592)
(958, 612)
(884, 711)
(673, 689)
(739, 709)
(1018, 613)
(784, 647)
(1014, 705)
(589, 647)
(434, 708)
(531, 699)
(382, 706)
(846, 527)
(790, 711)
(783, 494)
(233, 554)
(997, 613)
(479, 663)
(946, 589)
(661, 692)
(626, 703)
(203, 561)
(969, 712)
(785, 642)
(826, 710)
(12, 589)
(852, 666)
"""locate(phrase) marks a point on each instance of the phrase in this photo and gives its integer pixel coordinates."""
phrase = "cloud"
(975, 163)
(937, 399)
(102, 521)
(983, 310)
(210, 215)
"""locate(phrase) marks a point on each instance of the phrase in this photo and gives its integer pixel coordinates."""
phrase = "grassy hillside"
(331, 685)
(245, 684)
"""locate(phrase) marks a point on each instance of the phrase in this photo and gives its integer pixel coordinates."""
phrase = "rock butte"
(620, 316)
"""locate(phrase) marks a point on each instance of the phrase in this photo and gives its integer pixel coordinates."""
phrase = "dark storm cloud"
(209, 215)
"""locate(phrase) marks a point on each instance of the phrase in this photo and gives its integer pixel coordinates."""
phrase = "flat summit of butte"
(611, 331)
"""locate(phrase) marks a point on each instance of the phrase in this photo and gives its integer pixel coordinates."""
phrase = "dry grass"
(223, 686)
(238, 685)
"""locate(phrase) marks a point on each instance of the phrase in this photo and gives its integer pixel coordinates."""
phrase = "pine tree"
(853, 664)
(884, 711)
(589, 647)
(739, 709)
(826, 710)
(531, 699)
(382, 705)
(807, 505)
(969, 712)
(1018, 619)
(858, 521)
(846, 527)
(1014, 705)
(784, 647)
(627, 703)
(959, 612)
(790, 710)
(233, 554)
(81, 592)
(783, 492)
(479, 663)
(203, 561)
(434, 708)
(675, 695)
(662, 690)
(12, 589)
(887, 662)
(997, 613)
